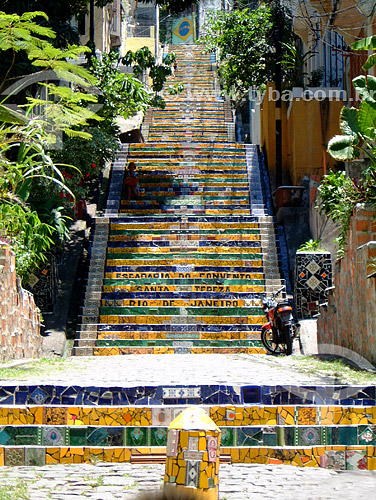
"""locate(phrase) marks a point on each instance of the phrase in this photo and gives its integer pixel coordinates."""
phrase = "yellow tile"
(180, 477)
(183, 439)
(371, 463)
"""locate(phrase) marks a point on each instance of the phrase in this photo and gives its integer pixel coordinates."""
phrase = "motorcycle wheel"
(271, 346)
(288, 341)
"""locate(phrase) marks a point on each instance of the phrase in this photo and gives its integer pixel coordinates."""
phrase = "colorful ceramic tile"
(78, 436)
(367, 435)
(212, 448)
(136, 436)
(249, 436)
(53, 436)
(159, 436)
(230, 415)
(270, 436)
(307, 416)
(356, 460)
(227, 436)
(35, 456)
(313, 276)
(39, 396)
(172, 443)
(5, 436)
(309, 436)
(161, 416)
(193, 443)
(14, 456)
(192, 474)
(335, 459)
(54, 416)
(26, 436)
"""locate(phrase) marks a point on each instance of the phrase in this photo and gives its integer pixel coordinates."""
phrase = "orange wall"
(302, 144)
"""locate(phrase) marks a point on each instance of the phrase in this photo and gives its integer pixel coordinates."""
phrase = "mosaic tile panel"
(313, 275)
(206, 395)
(356, 460)
(335, 459)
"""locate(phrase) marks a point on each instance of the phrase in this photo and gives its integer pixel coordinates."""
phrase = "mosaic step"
(182, 267)
(124, 435)
(336, 457)
(341, 437)
(346, 404)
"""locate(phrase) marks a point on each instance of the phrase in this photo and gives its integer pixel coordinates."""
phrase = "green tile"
(26, 436)
(136, 436)
(78, 436)
(270, 437)
(249, 436)
(227, 436)
(35, 456)
(158, 436)
(367, 435)
(6, 436)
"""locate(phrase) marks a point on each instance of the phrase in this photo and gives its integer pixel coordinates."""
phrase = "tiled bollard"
(192, 461)
(313, 277)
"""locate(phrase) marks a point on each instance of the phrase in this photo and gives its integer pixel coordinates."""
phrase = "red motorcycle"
(277, 335)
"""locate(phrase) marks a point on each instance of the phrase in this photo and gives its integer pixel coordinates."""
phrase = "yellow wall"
(302, 138)
(137, 43)
(268, 116)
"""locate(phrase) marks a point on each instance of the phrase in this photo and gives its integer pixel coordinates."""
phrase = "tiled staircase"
(187, 260)
(181, 270)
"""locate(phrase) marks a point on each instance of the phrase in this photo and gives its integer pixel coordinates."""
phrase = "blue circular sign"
(184, 28)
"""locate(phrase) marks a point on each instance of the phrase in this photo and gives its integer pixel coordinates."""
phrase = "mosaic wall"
(313, 276)
(252, 436)
(330, 457)
(162, 416)
(183, 395)
(20, 321)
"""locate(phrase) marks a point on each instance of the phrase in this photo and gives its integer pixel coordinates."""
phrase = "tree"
(244, 42)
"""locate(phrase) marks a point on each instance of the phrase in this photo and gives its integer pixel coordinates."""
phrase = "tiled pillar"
(192, 461)
(313, 277)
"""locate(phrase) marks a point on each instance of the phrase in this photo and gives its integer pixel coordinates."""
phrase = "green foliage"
(26, 145)
(124, 94)
(311, 246)
(338, 197)
(88, 156)
(28, 236)
(294, 61)
(64, 110)
(245, 43)
(315, 78)
(22, 34)
(368, 43)
(340, 194)
(176, 6)
(241, 38)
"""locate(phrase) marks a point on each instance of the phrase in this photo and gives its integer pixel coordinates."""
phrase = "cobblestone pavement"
(165, 369)
(237, 482)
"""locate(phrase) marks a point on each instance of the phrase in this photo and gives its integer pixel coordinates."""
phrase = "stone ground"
(169, 369)
(237, 482)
